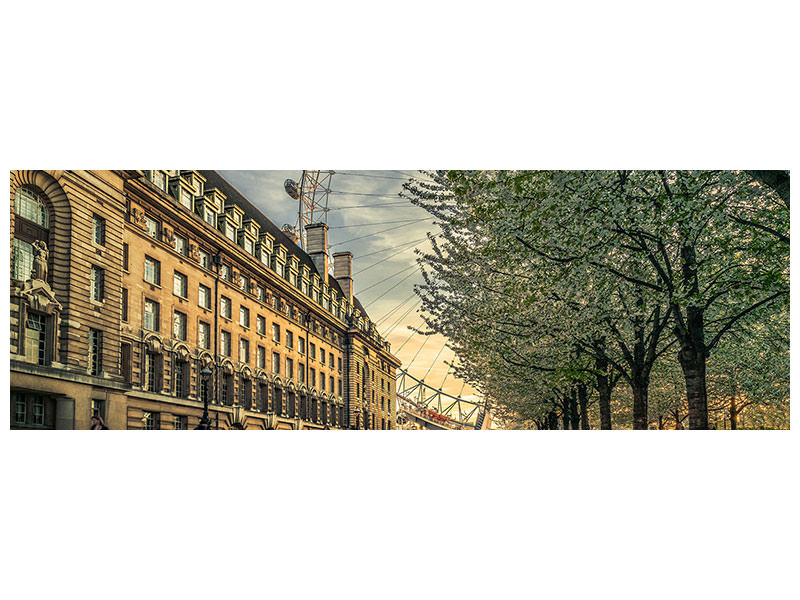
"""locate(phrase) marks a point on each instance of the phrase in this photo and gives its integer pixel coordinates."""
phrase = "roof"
(215, 180)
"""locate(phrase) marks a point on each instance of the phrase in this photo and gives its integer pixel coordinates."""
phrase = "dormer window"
(230, 232)
(158, 179)
(249, 247)
(186, 198)
(211, 218)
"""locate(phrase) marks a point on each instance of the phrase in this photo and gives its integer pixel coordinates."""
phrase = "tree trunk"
(734, 413)
(603, 391)
(693, 363)
(552, 420)
(583, 402)
(692, 353)
(565, 419)
(639, 405)
(660, 422)
(573, 410)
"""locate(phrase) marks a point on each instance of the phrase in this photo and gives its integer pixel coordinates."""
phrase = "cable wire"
(377, 232)
(371, 224)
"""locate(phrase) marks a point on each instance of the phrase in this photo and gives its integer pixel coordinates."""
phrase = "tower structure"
(312, 195)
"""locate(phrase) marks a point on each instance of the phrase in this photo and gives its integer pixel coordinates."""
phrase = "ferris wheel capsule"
(292, 189)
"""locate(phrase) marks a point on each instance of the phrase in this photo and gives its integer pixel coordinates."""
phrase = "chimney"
(317, 247)
(343, 272)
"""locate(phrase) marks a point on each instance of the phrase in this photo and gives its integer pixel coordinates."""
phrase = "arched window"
(30, 205)
(31, 224)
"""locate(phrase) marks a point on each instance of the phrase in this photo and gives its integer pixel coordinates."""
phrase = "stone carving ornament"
(39, 261)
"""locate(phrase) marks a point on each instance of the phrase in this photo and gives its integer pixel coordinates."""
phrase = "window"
(289, 368)
(152, 420)
(126, 362)
(301, 345)
(180, 244)
(35, 338)
(339, 364)
(151, 315)
(301, 372)
(261, 293)
(305, 288)
(153, 372)
(248, 245)
(152, 270)
(225, 272)
(205, 259)
(125, 257)
(244, 284)
(275, 303)
(225, 307)
(99, 230)
(322, 356)
(261, 325)
(244, 317)
(276, 332)
(29, 205)
(20, 409)
(276, 363)
(180, 283)
(182, 371)
(227, 390)
(225, 343)
(312, 378)
(125, 305)
(244, 351)
(157, 177)
(330, 359)
(98, 408)
(211, 218)
(23, 260)
(180, 422)
(186, 198)
(204, 296)
(312, 351)
(261, 357)
(97, 283)
(339, 386)
(179, 326)
(153, 227)
(230, 232)
(95, 351)
(204, 335)
(289, 339)
(322, 381)
(330, 383)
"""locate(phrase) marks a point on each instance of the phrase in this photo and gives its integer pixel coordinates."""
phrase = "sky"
(363, 203)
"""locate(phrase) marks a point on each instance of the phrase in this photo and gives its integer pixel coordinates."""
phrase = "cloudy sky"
(363, 203)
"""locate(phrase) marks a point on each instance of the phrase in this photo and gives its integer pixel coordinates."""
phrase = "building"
(135, 294)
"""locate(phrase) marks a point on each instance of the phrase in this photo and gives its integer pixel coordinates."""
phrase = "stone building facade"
(135, 294)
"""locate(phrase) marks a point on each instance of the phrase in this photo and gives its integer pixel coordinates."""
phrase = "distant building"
(126, 286)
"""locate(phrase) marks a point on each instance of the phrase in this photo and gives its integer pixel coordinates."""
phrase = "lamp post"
(205, 422)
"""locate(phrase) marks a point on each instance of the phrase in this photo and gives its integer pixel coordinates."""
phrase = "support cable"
(396, 323)
(397, 307)
(427, 339)
(395, 285)
(378, 232)
(433, 362)
(360, 292)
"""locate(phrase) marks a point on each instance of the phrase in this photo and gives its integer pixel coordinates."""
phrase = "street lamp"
(205, 422)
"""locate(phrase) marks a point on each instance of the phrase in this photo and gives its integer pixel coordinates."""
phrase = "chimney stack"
(343, 272)
(317, 247)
